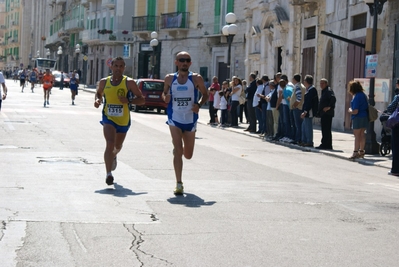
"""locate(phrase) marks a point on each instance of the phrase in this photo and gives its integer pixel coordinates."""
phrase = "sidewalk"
(342, 142)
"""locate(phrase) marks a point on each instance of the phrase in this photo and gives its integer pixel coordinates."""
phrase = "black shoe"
(109, 180)
(246, 130)
(258, 132)
(320, 147)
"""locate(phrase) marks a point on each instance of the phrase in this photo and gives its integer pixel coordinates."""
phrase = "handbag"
(373, 113)
(393, 120)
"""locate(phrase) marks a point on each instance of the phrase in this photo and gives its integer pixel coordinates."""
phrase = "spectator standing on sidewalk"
(309, 110)
(296, 102)
(326, 114)
(243, 103)
(250, 92)
(3, 93)
(395, 135)
(235, 100)
(359, 115)
(213, 89)
(271, 127)
(264, 103)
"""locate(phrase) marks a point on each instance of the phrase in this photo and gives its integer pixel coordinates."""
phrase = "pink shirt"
(217, 88)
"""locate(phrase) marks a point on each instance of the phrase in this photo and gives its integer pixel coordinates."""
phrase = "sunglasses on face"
(188, 60)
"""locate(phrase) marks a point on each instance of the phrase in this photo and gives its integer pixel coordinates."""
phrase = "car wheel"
(159, 110)
(135, 108)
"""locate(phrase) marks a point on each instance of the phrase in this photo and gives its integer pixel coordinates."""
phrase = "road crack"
(142, 256)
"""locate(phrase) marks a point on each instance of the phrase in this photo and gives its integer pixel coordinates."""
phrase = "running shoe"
(114, 164)
(48, 103)
(73, 103)
(44, 105)
(110, 180)
(179, 190)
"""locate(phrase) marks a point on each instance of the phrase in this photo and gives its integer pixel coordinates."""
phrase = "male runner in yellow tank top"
(116, 115)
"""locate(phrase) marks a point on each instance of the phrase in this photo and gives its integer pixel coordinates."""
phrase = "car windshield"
(153, 86)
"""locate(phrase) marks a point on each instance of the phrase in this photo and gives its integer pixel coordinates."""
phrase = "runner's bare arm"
(166, 88)
(199, 84)
(98, 98)
(138, 96)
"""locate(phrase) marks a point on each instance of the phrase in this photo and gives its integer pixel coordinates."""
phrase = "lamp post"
(77, 51)
(153, 44)
(59, 53)
(376, 6)
(37, 53)
(48, 52)
(229, 31)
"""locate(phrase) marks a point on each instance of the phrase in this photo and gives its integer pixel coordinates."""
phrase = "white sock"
(108, 174)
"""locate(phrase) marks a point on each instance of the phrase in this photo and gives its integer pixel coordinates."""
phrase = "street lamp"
(37, 53)
(153, 44)
(59, 53)
(376, 6)
(77, 51)
(48, 52)
(229, 31)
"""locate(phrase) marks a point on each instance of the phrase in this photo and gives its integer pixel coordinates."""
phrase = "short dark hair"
(253, 75)
(265, 78)
(297, 77)
(259, 81)
(117, 58)
(309, 79)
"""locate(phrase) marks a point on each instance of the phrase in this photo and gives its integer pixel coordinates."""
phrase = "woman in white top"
(235, 97)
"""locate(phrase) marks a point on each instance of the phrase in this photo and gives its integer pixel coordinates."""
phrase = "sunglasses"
(188, 60)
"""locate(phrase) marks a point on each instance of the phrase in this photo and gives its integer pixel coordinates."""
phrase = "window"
(359, 21)
(222, 7)
(310, 33)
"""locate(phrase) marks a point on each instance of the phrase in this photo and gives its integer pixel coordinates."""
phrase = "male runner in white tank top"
(181, 94)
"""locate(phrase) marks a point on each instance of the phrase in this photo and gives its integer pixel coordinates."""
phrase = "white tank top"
(182, 99)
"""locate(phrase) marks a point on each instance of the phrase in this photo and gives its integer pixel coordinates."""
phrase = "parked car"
(57, 79)
(152, 91)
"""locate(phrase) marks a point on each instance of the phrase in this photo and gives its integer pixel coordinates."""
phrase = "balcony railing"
(60, 2)
(108, 3)
(145, 23)
(74, 24)
(176, 20)
(90, 35)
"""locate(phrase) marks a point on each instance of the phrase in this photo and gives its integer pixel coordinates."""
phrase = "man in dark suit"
(250, 92)
(309, 110)
(326, 114)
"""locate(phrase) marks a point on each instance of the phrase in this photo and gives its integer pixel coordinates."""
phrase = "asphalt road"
(247, 202)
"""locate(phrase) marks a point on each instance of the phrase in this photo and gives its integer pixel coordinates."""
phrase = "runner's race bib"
(182, 103)
(115, 110)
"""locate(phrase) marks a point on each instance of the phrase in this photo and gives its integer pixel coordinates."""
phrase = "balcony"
(60, 2)
(108, 3)
(303, 2)
(144, 25)
(14, 23)
(91, 36)
(74, 25)
(175, 23)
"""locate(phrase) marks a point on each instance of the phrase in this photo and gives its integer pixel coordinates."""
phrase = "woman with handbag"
(394, 136)
(359, 115)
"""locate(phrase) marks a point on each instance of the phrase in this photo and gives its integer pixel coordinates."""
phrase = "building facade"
(289, 36)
